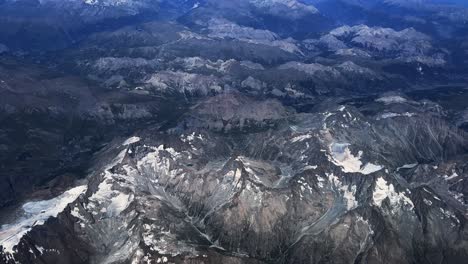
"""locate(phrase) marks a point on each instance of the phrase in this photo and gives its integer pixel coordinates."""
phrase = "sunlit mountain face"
(237, 132)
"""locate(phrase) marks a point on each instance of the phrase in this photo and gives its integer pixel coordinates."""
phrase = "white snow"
(131, 141)
(310, 167)
(195, 63)
(341, 156)
(301, 138)
(370, 168)
(118, 204)
(35, 214)
(116, 200)
(76, 213)
(40, 249)
(320, 181)
(383, 190)
(392, 115)
(349, 193)
(407, 166)
(451, 177)
(428, 202)
(458, 196)
(391, 99)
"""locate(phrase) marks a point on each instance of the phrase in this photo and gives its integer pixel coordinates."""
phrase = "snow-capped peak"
(292, 5)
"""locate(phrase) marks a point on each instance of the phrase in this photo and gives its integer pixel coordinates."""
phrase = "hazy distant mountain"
(238, 132)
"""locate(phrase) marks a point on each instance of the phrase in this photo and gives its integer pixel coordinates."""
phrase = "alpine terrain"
(233, 131)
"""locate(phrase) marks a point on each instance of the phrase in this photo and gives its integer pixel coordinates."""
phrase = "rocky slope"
(228, 186)
(274, 131)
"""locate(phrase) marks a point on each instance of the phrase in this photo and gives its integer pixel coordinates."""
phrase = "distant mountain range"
(237, 132)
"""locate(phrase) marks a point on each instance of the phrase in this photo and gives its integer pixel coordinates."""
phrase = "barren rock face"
(195, 195)
(232, 111)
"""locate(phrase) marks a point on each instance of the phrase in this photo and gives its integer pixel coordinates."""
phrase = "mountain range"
(238, 132)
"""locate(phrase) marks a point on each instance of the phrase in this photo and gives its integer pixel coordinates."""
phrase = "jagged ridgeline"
(237, 132)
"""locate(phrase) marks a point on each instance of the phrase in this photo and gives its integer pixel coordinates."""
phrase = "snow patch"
(301, 138)
(341, 156)
(451, 177)
(383, 190)
(392, 115)
(116, 201)
(131, 140)
(349, 193)
(118, 204)
(407, 166)
(36, 214)
(392, 99)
